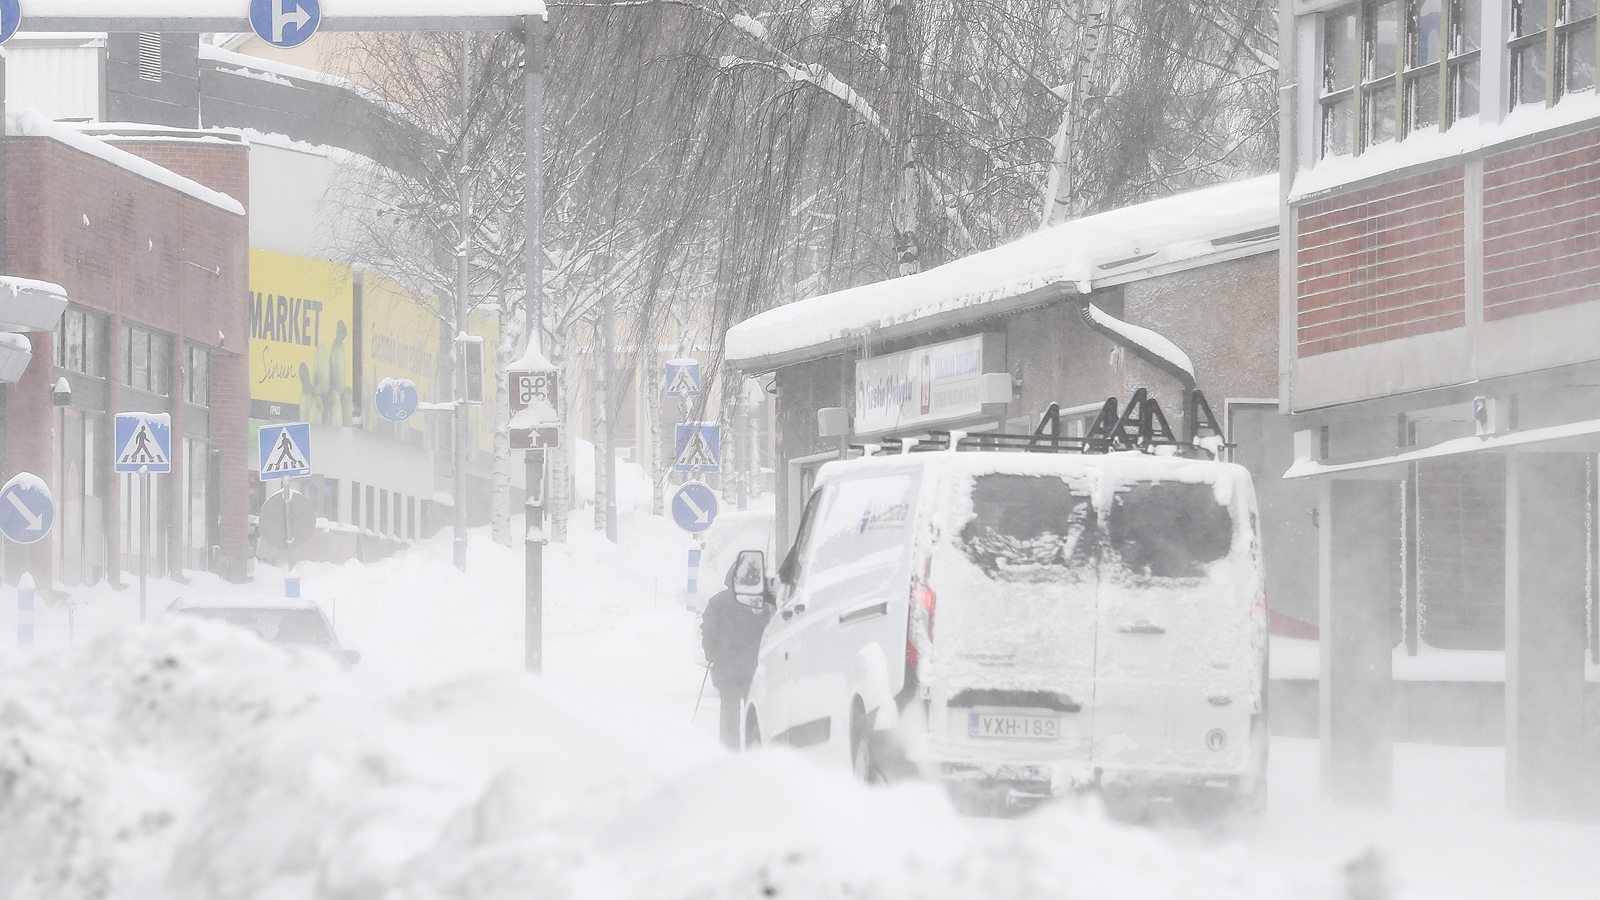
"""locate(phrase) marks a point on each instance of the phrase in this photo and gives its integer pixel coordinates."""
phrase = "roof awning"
(1573, 437)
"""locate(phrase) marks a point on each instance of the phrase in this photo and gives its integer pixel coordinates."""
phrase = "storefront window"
(147, 360)
(197, 387)
(80, 342)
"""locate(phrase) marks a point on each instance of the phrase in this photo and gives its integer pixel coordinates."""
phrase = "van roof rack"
(1139, 426)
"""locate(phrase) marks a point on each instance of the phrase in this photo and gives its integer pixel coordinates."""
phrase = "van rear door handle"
(861, 613)
(794, 610)
(1142, 628)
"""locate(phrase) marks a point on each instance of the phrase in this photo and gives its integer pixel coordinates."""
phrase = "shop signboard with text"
(928, 385)
(301, 337)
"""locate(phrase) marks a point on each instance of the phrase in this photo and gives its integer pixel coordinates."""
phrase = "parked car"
(289, 621)
(1025, 625)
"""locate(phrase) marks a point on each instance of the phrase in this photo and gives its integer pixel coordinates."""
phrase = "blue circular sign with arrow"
(284, 23)
(397, 399)
(26, 508)
(694, 506)
(10, 18)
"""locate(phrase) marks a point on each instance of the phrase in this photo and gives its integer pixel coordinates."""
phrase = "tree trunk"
(500, 502)
(560, 504)
(650, 380)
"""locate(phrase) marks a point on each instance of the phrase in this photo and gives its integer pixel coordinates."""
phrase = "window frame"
(1554, 40)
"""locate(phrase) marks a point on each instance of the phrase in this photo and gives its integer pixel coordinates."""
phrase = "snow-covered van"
(1025, 625)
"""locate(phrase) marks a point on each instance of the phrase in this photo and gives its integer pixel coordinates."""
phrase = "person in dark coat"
(730, 632)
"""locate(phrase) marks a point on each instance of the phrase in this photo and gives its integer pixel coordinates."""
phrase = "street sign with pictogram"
(535, 405)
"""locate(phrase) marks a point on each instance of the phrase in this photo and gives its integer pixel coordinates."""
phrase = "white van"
(1025, 625)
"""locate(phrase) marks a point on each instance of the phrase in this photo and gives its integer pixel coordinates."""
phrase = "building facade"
(1439, 355)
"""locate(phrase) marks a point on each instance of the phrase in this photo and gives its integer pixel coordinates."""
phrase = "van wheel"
(862, 762)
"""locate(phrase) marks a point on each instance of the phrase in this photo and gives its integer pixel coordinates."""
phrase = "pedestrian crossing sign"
(285, 450)
(143, 442)
(683, 377)
(699, 448)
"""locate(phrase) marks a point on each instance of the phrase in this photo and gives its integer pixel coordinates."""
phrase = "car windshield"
(1028, 527)
(1169, 529)
(279, 626)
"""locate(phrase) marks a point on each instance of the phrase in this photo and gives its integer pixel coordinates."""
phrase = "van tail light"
(924, 599)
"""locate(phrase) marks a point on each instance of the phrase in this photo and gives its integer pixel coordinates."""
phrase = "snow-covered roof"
(1108, 248)
(32, 123)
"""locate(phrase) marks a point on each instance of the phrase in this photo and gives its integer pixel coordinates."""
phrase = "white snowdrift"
(187, 760)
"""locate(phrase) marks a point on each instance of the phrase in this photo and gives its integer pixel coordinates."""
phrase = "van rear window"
(1029, 526)
(1169, 529)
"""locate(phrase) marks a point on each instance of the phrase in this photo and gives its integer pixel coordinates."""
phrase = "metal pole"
(608, 343)
(144, 537)
(532, 319)
(456, 347)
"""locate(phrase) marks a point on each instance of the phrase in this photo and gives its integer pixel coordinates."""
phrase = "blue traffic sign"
(285, 23)
(683, 378)
(694, 507)
(397, 399)
(143, 443)
(26, 508)
(285, 450)
(699, 448)
(10, 18)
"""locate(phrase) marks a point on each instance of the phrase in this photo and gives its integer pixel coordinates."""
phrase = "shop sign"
(938, 383)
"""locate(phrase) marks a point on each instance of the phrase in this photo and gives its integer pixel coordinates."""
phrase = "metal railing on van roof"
(1138, 426)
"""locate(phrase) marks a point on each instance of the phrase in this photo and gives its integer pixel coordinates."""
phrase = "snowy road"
(438, 770)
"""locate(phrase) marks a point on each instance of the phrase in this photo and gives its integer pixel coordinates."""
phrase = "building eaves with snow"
(1071, 260)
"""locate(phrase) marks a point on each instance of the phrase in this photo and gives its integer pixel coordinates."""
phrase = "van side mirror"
(750, 574)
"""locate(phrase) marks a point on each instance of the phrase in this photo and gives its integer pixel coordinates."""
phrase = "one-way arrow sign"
(694, 506)
(26, 508)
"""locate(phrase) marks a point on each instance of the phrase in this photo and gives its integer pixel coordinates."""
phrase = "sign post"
(286, 453)
(143, 446)
(534, 388)
(26, 513)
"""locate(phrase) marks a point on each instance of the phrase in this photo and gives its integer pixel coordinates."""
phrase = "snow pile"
(187, 760)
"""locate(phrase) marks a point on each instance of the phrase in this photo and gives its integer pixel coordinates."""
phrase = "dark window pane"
(1463, 90)
(1423, 34)
(1383, 39)
(1422, 100)
(139, 359)
(1529, 17)
(1528, 74)
(1577, 64)
(1169, 529)
(1465, 26)
(1576, 10)
(73, 341)
(1338, 52)
(95, 349)
(1029, 528)
(160, 364)
(1338, 128)
(1379, 113)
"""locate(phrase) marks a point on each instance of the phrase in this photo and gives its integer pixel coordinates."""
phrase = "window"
(355, 503)
(80, 343)
(1548, 63)
(1418, 65)
(1030, 529)
(146, 360)
(197, 388)
(1169, 529)
(384, 526)
(1461, 79)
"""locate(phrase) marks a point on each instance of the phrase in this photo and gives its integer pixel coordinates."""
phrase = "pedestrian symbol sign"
(143, 442)
(285, 450)
(683, 377)
(699, 448)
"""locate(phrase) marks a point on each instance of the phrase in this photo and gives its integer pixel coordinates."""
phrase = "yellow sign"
(300, 339)
(402, 335)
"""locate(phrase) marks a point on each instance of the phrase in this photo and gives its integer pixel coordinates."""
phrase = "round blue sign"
(284, 23)
(397, 399)
(10, 18)
(694, 506)
(26, 508)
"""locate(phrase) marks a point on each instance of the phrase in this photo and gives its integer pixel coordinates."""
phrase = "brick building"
(152, 262)
(1440, 292)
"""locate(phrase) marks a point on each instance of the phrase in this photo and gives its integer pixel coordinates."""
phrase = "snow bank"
(1075, 255)
(345, 9)
(187, 760)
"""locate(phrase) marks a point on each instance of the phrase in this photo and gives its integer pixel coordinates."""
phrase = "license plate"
(1037, 728)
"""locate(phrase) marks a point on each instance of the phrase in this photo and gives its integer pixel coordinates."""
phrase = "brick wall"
(1541, 226)
(143, 253)
(220, 166)
(1381, 263)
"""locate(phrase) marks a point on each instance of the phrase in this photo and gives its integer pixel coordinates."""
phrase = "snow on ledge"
(1073, 255)
(32, 123)
(1152, 342)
